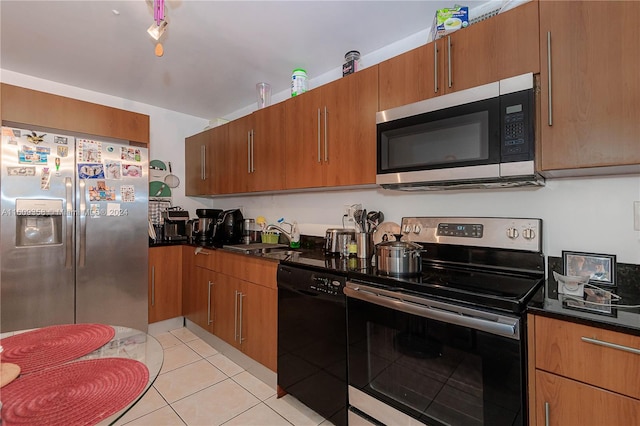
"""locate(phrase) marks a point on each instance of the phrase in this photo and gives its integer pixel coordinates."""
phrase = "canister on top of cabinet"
(298, 82)
(351, 62)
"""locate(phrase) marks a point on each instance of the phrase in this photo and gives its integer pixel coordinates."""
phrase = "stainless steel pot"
(399, 258)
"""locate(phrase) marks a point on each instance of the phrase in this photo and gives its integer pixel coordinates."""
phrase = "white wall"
(584, 214)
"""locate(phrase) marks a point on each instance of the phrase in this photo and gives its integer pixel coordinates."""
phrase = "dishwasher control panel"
(326, 284)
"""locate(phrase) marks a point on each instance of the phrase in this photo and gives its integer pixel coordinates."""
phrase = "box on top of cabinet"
(448, 20)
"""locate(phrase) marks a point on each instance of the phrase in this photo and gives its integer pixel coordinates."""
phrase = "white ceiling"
(215, 51)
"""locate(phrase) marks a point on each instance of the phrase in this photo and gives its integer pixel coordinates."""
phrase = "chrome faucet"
(282, 231)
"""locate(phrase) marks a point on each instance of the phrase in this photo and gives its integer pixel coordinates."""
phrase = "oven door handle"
(427, 308)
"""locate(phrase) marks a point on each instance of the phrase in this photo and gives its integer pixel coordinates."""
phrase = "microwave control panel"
(517, 126)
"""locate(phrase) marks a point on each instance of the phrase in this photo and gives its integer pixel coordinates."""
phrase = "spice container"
(298, 82)
(351, 62)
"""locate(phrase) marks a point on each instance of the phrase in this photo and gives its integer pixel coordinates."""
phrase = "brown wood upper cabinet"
(204, 162)
(26, 106)
(330, 133)
(500, 47)
(590, 106)
(255, 152)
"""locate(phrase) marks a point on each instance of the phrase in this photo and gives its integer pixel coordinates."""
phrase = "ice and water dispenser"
(39, 222)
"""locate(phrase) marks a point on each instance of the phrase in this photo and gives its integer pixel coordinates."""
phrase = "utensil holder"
(365, 245)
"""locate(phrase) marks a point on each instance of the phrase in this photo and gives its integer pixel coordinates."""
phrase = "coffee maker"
(229, 227)
(175, 224)
(205, 227)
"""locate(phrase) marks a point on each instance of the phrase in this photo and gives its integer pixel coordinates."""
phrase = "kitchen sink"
(258, 248)
(283, 254)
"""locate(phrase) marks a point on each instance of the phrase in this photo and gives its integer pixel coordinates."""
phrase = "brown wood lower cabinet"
(582, 375)
(234, 297)
(165, 283)
(561, 401)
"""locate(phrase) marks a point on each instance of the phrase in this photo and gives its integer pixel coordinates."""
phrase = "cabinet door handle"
(204, 161)
(449, 56)
(549, 76)
(435, 67)
(253, 169)
(319, 151)
(610, 345)
(240, 316)
(326, 141)
(235, 317)
(209, 320)
(153, 286)
(249, 151)
(546, 414)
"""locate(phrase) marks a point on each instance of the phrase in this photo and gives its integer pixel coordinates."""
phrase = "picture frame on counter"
(601, 268)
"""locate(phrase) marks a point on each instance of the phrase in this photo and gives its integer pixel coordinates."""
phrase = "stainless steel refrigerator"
(74, 231)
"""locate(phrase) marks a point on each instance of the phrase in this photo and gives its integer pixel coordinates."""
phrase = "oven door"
(414, 360)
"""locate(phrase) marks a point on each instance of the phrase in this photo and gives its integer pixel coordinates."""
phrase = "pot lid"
(400, 245)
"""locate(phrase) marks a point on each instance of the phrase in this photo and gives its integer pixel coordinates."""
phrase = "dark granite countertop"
(625, 318)
(545, 302)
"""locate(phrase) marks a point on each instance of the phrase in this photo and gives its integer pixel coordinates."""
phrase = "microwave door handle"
(549, 76)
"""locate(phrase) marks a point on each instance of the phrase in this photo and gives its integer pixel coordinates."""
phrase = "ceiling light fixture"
(157, 30)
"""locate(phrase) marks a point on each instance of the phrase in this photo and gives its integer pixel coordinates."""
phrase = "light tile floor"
(197, 386)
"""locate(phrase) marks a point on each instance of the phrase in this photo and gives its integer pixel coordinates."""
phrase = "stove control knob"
(512, 233)
(407, 229)
(529, 234)
(417, 229)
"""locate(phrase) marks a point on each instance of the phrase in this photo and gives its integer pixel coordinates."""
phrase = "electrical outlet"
(636, 215)
(349, 211)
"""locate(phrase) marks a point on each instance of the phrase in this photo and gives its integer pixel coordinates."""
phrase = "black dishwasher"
(312, 339)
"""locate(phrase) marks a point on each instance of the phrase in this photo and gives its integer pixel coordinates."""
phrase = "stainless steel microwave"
(474, 138)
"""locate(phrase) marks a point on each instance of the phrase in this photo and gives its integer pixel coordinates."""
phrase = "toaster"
(331, 245)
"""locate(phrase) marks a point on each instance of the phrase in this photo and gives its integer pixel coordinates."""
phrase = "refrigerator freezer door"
(36, 244)
(112, 239)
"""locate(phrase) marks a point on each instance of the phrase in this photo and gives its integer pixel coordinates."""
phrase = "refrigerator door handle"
(68, 262)
(83, 224)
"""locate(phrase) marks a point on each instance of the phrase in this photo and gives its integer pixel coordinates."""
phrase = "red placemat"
(77, 393)
(49, 346)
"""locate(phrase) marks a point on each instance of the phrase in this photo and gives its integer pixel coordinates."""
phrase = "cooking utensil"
(357, 218)
(157, 188)
(363, 221)
(400, 258)
(171, 180)
(162, 187)
(373, 219)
